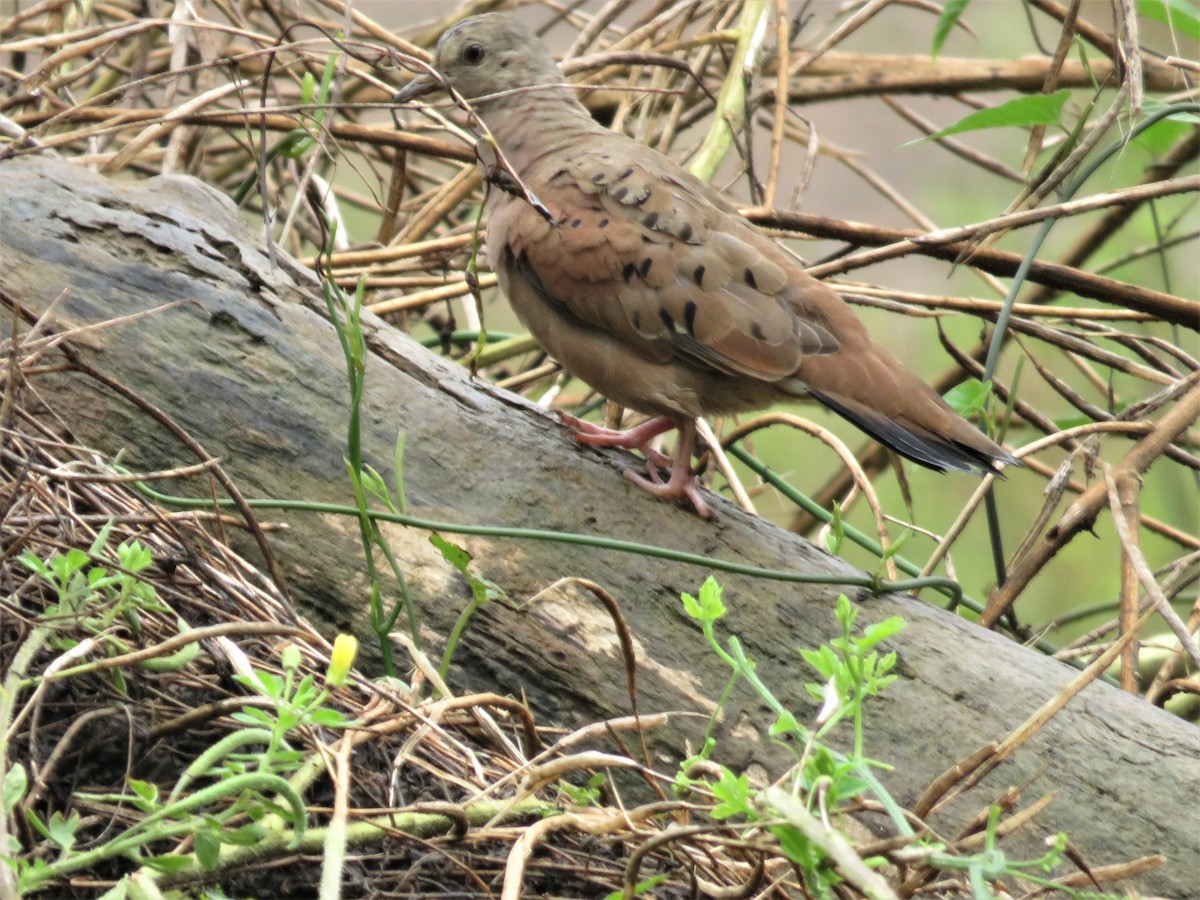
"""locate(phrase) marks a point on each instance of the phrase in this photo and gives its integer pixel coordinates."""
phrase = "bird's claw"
(676, 488)
(681, 484)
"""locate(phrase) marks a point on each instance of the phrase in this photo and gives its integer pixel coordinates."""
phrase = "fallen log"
(246, 362)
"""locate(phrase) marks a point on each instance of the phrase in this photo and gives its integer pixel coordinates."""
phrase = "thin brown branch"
(1083, 512)
(1168, 307)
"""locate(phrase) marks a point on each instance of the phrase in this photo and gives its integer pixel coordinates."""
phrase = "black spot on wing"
(698, 275)
(748, 276)
(645, 269)
(689, 317)
(628, 272)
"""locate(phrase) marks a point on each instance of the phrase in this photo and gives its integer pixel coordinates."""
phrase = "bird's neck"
(532, 125)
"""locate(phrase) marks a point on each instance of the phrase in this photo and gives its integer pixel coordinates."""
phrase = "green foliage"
(345, 312)
(852, 669)
(295, 700)
(833, 535)
(1022, 112)
(302, 139)
(969, 398)
(952, 11)
(90, 592)
(92, 596)
(641, 888)
(482, 592)
(802, 805)
(1182, 16)
(733, 792)
(233, 794)
(1169, 130)
(586, 795)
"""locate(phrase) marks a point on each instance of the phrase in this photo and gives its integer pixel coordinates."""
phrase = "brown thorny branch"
(109, 92)
(413, 279)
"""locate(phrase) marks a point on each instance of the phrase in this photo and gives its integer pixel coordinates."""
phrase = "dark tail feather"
(929, 450)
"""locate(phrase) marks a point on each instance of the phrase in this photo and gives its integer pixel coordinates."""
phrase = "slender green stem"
(731, 103)
(945, 585)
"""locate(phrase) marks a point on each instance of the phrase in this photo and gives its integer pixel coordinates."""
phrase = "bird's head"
(485, 56)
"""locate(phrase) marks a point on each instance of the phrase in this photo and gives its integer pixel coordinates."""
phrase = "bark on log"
(251, 367)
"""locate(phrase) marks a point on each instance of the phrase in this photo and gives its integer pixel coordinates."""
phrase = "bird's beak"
(418, 87)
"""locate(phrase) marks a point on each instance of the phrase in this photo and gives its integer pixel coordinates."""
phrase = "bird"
(647, 284)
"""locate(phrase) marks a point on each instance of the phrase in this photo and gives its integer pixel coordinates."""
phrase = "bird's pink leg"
(681, 483)
(636, 438)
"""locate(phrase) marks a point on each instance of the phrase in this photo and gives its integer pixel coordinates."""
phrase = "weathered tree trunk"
(249, 365)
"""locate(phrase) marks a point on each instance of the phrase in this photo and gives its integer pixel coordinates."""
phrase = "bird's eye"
(472, 54)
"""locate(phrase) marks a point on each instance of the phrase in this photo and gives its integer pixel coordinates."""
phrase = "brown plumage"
(648, 285)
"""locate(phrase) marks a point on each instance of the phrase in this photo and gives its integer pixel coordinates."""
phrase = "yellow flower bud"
(345, 648)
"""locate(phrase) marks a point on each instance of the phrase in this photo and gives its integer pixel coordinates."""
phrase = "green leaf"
(61, 829)
(290, 658)
(952, 11)
(482, 589)
(845, 612)
(98, 545)
(171, 863)
(328, 718)
(252, 716)
(34, 564)
(833, 535)
(709, 607)
(824, 660)
(1181, 15)
(146, 792)
(451, 552)
(268, 682)
(208, 850)
(1037, 109)
(785, 724)
(880, 631)
(734, 793)
(246, 836)
(118, 891)
(641, 887)
(16, 781)
(1165, 133)
(969, 397)
(134, 557)
(373, 484)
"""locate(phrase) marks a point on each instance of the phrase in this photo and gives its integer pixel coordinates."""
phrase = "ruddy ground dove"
(645, 282)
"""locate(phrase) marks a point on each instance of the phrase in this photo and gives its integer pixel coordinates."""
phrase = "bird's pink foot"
(681, 484)
(677, 487)
(636, 438)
